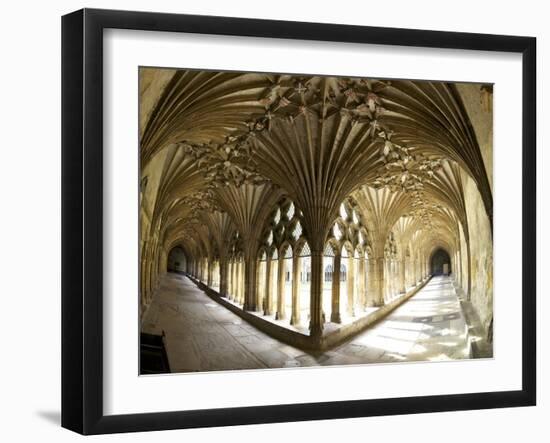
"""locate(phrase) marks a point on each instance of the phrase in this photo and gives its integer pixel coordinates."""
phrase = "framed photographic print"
(270, 221)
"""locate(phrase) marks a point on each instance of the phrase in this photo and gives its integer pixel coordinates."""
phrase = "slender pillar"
(209, 273)
(316, 294)
(427, 269)
(223, 277)
(231, 280)
(401, 267)
(280, 315)
(237, 281)
(260, 286)
(377, 279)
(361, 283)
(250, 295)
(295, 318)
(387, 281)
(234, 281)
(392, 279)
(351, 286)
(410, 271)
(458, 269)
(335, 306)
(241, 281)
(233, 293)
(371, 282)
(268, 297)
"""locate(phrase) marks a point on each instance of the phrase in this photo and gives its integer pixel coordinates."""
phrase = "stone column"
(237, 281)
(250, 295)
(268, 297)
(426, 271)
(351, 286)
(371, 282)
(457, 270)
(392, 278)
(402, 284)
(335, 305)
(234, 283)
(454, 269)
(316, 294)
(223, 277)
(376, 281)
(209, 273)
(280, 315)
(387, 281)
(163, 262)
(295, 317)
(262, 285)
(242, 276)
(361, 283)
(412, 277)
(231, 280)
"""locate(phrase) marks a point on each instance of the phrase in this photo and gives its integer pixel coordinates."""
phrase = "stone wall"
(481, 253)
(478, 101)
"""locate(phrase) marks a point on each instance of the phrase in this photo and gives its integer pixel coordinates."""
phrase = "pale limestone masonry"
(313, 207)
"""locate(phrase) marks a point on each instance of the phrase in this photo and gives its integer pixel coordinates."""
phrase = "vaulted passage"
(440, 264)
(313, 210)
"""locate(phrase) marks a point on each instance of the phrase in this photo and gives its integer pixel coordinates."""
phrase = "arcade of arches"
(311, 208)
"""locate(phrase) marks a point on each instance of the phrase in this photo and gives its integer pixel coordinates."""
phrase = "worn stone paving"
(202, 335)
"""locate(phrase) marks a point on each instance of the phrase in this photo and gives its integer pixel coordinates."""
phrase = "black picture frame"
(82, 220)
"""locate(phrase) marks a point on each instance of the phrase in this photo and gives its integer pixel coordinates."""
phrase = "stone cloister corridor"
(299, 220)
(430, 327)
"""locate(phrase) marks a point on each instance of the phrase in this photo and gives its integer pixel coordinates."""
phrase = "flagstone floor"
(202, 335)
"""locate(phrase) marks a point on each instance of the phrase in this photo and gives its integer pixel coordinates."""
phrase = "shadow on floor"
(54, 417)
